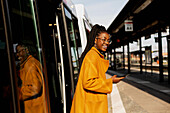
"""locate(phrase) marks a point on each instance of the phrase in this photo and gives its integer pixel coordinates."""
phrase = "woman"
(32, 88)
(92, 87)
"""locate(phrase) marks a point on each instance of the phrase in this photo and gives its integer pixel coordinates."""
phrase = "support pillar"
(123, 57)
(128, 49)
(140, 48)
(168, 43)
(114, 59)
(161, 77)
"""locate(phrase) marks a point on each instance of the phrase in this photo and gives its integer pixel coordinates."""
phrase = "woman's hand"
(116, 79)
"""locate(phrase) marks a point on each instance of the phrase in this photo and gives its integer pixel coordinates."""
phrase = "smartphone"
(122, 75)
(126, 75)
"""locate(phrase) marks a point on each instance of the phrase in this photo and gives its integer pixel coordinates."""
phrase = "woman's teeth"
(19, 58)
(105, 47)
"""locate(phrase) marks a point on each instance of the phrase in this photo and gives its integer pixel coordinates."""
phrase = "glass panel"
(73, 46)
(77, 36)
(30, 69)
(87, 27)
(52, 55)
(6, 103)
(53, 67)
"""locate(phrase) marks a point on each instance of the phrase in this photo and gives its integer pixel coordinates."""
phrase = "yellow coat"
(92, 87)
(32, 84)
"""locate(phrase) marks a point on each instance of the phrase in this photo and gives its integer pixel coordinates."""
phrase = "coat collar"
(105, 63)
(93, 48)
(22, 64)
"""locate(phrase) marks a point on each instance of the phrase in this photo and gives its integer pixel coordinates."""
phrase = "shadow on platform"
(147, 82)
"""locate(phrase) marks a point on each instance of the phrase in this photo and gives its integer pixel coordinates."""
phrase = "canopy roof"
(148, 17)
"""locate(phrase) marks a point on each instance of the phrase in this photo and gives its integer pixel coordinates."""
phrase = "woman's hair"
(30, 46)
(95, 31)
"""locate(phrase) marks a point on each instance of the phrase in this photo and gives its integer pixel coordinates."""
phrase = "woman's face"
(102, 41)
(22, 53)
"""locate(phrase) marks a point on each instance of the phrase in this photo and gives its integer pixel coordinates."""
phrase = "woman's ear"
(95, 41)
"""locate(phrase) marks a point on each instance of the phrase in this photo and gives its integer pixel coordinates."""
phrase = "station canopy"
(146, 17)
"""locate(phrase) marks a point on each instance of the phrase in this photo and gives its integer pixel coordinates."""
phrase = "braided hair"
(95, 31)
(30, 46)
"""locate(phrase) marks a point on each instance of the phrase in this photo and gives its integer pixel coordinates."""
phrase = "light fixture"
(143, 6)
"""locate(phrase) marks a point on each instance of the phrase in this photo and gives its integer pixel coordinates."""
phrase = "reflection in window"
(30, 74)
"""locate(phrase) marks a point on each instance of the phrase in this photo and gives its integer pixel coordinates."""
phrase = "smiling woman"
(104, 41)
(92, 87)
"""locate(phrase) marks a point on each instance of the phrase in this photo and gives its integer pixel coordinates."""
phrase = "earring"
(95, 45)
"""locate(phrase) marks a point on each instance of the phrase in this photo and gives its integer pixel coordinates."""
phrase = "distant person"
(92, 87)
(32, 87)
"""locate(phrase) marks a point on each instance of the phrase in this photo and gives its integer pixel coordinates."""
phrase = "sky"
(102, 12)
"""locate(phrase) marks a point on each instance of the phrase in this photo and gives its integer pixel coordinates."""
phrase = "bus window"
(87, 27)
(6, 100)
(73, 45)
(53, 69)
(77, 35)
(32, 86)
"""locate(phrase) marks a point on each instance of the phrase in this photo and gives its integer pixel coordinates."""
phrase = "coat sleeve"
(92, 81)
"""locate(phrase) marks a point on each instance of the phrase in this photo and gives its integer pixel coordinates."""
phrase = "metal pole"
(123, 57)
(140, 47)
(161, 77)
(168, 42)
(114, 59)
(128, 58)
(151, 60)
